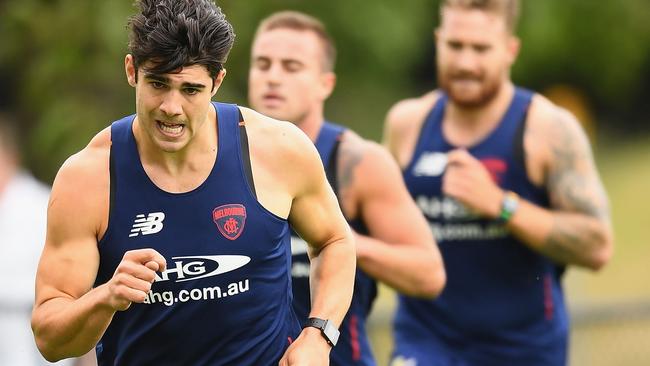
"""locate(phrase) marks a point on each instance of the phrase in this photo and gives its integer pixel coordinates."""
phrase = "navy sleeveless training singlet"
(353, 347)
(503, 303)
(225, 297)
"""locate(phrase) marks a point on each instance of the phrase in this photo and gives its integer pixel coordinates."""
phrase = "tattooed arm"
(577, 229)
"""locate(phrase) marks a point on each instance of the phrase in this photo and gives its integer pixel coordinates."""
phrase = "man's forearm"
(411, 270)
(332, 280)
(566, 237)
(66, 328)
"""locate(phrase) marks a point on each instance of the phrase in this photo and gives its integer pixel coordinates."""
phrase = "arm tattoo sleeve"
(350, 155)
(576, 194)
(573, 182)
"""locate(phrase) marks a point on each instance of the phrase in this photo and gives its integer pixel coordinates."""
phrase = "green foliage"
(601, 46)
(61, 61)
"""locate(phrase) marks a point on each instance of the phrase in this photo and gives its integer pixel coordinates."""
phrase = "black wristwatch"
(327, 329)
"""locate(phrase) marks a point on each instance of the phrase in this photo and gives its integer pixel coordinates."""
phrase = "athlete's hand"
(309, 349)
(133, 277)
(468, 181)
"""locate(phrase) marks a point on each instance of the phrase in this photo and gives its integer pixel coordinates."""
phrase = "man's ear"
(131, 71)
(436, 35)
(514, 45)
(328, 82)
(218, 80)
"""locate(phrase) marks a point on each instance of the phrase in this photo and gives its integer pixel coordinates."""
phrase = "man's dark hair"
(177, 33)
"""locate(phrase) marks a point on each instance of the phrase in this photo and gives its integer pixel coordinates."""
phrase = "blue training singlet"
(503, 303)
(225, 298)
(353, 347)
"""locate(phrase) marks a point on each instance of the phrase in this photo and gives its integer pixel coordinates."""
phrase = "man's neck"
(464, 126)
(312, 124)
(484, 114)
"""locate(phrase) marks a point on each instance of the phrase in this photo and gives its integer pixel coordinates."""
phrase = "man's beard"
(488, 89)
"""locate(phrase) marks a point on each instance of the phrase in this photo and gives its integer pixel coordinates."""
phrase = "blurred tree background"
(61, 62)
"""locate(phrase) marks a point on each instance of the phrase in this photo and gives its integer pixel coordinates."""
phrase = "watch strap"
(316, 323)
(509, 205)
(327, 330)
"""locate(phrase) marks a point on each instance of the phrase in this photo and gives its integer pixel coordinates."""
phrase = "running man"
(291, 76)
(509, 186)
(168, 237)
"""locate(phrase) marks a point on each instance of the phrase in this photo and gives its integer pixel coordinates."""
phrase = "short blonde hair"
(298, 21)
(509, 9)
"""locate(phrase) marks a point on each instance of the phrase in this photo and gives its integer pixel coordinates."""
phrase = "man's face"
(474, 53)
(286, 80)
(172, 108)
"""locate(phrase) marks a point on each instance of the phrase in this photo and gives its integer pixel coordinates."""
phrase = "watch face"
(510, 204)
(331, 332)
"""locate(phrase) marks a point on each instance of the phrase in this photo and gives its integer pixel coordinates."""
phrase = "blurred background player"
(291, 76)
(508, 183)
(23, 211)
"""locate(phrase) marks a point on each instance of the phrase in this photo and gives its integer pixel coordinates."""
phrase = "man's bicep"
(316, 216)
(66, 270)
(573, 181)
(387, 208)
(70, 257)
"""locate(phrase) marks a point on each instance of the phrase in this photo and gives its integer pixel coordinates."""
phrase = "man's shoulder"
(352, 141)
(91, 162)
(279, 141)
(272, 134)
(81, 188)
(411, 111)
(404, 122)
(546, 115)
(425, 100)
(98, 148)
(270, 127)
(552, 133)
(368, 158)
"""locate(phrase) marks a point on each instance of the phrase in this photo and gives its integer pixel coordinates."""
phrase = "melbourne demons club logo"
(230, 220)
(496, 167)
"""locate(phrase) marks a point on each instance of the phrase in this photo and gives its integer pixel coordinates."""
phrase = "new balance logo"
(430, 164)
(151, 224)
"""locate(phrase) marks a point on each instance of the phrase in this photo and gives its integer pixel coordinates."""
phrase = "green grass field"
(611, 307)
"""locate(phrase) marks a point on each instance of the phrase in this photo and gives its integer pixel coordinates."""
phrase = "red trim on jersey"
(548, 297)
(354, 338)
